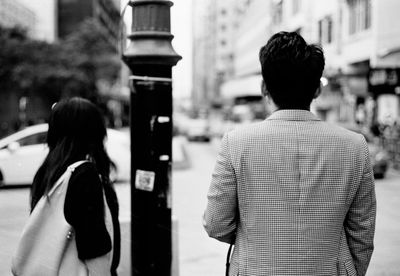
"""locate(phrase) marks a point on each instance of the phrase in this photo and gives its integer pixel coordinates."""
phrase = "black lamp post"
(150, 57)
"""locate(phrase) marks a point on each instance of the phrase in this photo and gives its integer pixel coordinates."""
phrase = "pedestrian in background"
(75, 138)
(294, 194)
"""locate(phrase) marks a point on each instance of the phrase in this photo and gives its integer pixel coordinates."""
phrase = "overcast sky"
(181, 28)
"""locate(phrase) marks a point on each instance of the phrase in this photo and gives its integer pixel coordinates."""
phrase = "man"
(294, 194)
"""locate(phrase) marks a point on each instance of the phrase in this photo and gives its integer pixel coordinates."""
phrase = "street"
(198, 254)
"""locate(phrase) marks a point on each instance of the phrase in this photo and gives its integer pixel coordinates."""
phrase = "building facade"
(14, 13)
(203, 23)
(71, 13)
(55, 19)
(252, 32)
(214, 30)
(46, 14)
(358, 37)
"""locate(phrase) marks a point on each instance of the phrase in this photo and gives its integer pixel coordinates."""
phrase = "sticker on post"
(144, 180)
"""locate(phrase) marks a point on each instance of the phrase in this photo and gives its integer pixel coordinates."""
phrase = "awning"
(240, 87)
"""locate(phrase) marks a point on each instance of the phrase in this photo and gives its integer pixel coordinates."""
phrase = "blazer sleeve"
(220, 216)
(360, 221)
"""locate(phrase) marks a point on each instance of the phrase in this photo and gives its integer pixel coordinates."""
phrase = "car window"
(34, 139)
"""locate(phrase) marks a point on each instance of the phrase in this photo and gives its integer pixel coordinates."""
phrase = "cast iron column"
(150, 57)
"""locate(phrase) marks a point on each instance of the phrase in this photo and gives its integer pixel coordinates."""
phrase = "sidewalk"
(180, 156)
(393, 171)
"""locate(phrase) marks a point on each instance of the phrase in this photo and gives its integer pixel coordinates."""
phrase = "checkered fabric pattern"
(296, 196)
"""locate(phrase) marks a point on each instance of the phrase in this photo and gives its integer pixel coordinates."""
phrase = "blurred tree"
(73, 67)
(96, 49)
(92, 51)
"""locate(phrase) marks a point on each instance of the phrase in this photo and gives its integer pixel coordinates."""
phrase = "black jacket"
(84, 210)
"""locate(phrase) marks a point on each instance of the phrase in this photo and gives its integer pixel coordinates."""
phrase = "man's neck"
(293, 108)
(274, 107)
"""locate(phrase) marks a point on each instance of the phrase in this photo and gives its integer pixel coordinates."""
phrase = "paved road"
(198, 254)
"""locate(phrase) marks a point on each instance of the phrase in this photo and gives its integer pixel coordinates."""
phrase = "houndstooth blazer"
(296, 196)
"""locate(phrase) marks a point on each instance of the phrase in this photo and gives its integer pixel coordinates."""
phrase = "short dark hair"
(291, 69)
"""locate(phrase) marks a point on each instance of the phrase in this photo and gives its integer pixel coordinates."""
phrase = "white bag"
(47, 246)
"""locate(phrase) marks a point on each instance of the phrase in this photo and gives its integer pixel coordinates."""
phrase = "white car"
(198, 129)
(23, 152)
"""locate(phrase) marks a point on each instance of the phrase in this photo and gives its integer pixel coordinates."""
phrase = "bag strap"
(73, 166)
(66, 174)
(228, 257)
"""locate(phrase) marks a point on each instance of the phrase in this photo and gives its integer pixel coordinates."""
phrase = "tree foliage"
(70, 67)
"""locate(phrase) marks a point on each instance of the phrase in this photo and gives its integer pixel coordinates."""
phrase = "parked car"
(23, 152)
(198, 129)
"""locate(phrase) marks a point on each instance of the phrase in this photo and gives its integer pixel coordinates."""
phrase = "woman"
(77, 132)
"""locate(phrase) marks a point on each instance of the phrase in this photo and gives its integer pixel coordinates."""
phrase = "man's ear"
(264, 90)
(318, 91)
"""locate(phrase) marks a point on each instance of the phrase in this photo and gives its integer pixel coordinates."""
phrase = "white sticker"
(163, 119)
(164, 158)
(144, 180)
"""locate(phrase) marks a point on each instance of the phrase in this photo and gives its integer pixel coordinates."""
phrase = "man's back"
(296, 192)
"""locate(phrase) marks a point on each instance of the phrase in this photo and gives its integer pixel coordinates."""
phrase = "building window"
(295, 6)
(329, 33)
(367, 19)
(248, 2)
(223, 42)
(223, 11)
(223, 27)
(320, 31)
(278, 12)
(359, 15)
(325, 30)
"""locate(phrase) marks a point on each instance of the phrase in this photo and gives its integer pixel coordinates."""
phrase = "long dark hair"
(76, 132)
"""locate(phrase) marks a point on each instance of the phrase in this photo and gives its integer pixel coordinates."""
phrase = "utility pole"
(150, 57)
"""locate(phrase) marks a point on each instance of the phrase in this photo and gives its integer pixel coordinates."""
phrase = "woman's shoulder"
(84, 189)
(84, 177)
(85, 168)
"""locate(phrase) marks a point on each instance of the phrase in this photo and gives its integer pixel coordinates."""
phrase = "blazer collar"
(293, 115)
